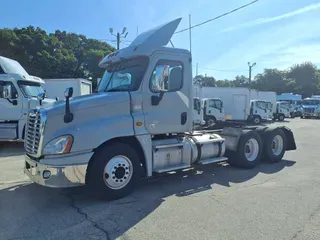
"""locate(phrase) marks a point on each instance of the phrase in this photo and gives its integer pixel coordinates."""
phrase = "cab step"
(212, 160)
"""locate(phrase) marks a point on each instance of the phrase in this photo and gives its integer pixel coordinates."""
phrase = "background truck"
(55, 87)
(240, 104)
(18, 94)
(311, 108)
(294, 101)
(282, 111)
(109, 140)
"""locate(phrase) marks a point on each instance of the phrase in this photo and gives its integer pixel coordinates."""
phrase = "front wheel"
(114, 171)
(211, 121)
(256, 120)
(281, 118)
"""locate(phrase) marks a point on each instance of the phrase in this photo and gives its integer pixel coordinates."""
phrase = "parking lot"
(272, 201)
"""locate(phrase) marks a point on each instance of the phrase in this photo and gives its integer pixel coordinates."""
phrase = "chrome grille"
(309, 110)
(33, 132)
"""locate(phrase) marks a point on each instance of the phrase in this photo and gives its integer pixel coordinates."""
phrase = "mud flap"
(291, 143)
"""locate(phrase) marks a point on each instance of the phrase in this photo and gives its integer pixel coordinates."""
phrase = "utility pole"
(250, 70)
(197, 70)
(190, 31)
(119, 35)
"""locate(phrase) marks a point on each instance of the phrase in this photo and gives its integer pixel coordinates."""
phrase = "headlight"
(58, 145)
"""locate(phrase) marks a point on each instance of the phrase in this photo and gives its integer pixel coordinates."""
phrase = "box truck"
(240, 104)
(19, 93)
(144, 126)
(55, 87)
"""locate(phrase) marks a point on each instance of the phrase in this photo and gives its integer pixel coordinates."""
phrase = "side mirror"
(160, 82)
(68, 117)
(68, 92)
(6, 93)
(41, 96)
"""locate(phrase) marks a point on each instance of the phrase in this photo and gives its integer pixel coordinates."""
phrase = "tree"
(204, 81)
(55, 55)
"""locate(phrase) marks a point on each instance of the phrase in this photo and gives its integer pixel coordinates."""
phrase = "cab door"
(261, 109)
(10, 104)
(167, 107)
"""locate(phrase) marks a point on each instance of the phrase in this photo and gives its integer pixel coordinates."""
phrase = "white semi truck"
(18, 95)
(110, 139)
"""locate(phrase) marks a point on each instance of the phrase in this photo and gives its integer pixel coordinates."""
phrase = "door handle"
(184, 118)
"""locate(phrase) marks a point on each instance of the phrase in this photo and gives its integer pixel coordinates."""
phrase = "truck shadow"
(30, 202)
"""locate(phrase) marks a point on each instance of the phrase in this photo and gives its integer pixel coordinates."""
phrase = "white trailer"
(56, 87)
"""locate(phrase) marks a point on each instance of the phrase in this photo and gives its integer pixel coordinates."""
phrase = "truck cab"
(282, 111)
(258, 111)
(19, 93)
(213, 110)
(311, 108)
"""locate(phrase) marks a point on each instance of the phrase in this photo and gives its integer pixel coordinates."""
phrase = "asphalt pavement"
(272, 201)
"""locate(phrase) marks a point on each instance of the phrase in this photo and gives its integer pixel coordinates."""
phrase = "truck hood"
(86, 101)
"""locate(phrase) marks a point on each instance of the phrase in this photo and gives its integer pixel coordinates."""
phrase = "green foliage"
(301, 78)
(54, 55)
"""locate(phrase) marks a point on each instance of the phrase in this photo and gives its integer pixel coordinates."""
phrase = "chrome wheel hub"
(118, 172)
(251, 149)
(277, 145)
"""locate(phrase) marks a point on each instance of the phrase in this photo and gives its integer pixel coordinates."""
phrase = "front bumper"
(46, 173)
(311, 114)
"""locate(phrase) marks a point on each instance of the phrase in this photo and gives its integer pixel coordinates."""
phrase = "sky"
(272, 33)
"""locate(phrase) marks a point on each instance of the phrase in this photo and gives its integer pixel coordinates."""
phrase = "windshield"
(215, 103)
(124, 76)
(311, 102)
(30, 89)
(261, 104)
(284, 105)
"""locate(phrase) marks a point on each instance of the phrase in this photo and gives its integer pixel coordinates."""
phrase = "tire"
(241, 158)
(256, 120)
(275, 145)
(302, 117)
(281, 118)
(114, 171)
(211, 121)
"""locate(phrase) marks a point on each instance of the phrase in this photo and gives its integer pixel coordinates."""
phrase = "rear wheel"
(275, 145)
(114, 171)
(248, 152)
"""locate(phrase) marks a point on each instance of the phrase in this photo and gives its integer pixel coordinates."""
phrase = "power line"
(220, 16)
(220, 70)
